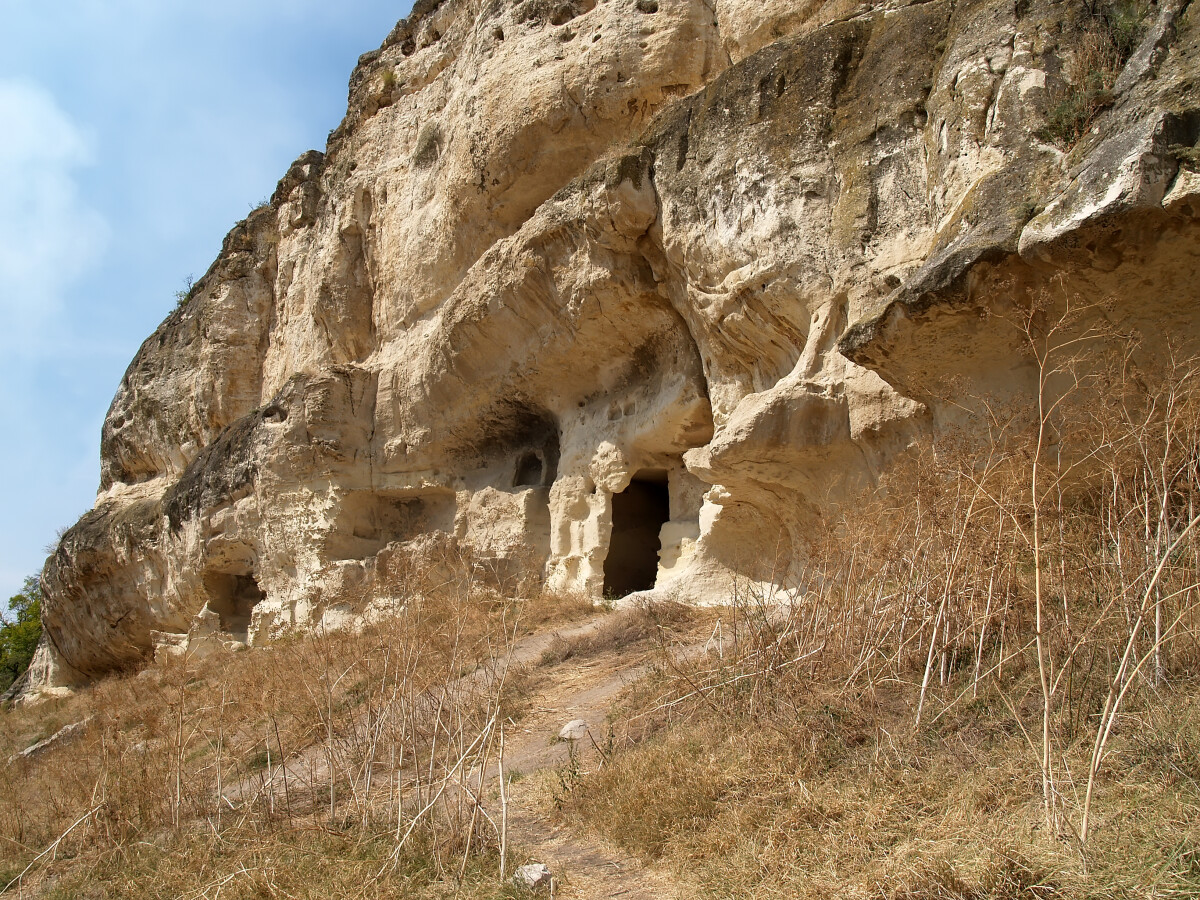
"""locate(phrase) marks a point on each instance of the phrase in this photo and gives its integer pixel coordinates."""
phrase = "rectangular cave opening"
(530, 470)
(638, 515)
(233, 597)
(367, 521)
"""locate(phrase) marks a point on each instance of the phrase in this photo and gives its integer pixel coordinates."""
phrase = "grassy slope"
(776, 786)
(823, 792)
(142, 776)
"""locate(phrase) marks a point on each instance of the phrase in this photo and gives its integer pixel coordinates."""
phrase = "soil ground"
(583, 866)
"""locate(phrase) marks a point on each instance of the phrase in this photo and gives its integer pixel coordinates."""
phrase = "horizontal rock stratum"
(620, 294)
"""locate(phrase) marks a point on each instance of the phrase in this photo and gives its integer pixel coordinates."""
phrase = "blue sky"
(133, 134)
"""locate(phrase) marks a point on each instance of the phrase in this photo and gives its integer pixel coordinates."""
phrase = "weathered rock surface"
(618, 294)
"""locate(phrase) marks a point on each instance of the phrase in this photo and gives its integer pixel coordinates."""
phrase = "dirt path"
(584, 866)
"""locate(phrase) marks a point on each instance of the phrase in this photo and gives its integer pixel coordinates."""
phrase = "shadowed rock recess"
(724, 255)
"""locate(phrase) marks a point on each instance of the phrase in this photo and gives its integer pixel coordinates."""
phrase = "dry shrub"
(366, 744)
(1110, 32)
(658, 620)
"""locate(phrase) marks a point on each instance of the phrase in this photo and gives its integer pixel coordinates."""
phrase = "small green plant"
(389, 80)
(1124, 22)
(567, 778)
(184, 294)
(1187, 156)
(260, 759)
(1071, 117)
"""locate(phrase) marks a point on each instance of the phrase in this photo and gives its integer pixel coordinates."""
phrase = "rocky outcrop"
(619, 295)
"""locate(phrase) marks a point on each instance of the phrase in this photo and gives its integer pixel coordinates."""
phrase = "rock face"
(618, 294)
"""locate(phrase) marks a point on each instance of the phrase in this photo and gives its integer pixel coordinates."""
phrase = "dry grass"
(248, 864)
(646, 622)
(176, 788)
(834, 798)
(546, 610)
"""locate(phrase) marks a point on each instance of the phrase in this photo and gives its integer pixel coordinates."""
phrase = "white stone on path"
(575, 730)
(534, 876)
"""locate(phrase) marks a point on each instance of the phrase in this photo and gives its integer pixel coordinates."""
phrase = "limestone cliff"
(617, 294)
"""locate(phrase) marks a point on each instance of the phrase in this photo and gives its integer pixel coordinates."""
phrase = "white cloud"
(49, 235)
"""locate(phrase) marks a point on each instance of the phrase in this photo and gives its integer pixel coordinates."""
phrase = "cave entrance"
(638, 515)
(233, 598)
(530, 470)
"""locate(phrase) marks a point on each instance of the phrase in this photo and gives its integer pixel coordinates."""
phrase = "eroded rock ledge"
(618, 295)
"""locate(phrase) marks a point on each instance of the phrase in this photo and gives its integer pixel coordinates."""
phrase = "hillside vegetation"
(20, 632)
(174, 786)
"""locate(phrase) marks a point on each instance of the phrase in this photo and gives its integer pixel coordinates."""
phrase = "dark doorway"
(233, 598)
(529, 470)
(638, 514)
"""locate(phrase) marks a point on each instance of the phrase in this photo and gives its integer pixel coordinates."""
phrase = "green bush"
(1124, 22)
(1071, 117)
(184, 294)
(19, 636)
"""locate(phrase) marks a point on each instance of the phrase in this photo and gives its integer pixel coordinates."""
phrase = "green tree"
(20, 631)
